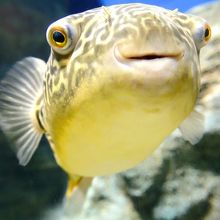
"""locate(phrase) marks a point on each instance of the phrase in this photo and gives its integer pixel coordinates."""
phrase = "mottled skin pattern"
(99, 31)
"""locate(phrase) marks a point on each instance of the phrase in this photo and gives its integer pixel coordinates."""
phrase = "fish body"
(118, 81)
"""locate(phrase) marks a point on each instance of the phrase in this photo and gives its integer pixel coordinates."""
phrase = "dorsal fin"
(20, 91)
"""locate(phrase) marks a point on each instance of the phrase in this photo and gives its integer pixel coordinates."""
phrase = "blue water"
(182, 5)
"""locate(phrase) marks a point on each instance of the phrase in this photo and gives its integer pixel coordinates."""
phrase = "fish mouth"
(150, 67)
(145, 56)
(153, 56)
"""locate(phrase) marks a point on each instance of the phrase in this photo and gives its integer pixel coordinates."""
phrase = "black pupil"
(58, 37)
(206, 32)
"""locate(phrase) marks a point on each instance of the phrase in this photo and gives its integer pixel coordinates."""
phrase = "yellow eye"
(58, 37)
(207, 34)
(62, 37)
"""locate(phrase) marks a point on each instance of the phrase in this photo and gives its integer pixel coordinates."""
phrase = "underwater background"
(179, 182)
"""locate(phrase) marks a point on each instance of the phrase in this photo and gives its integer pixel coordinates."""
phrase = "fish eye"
(62, 37)
(57, 37)
(201, 33)
(207, 34)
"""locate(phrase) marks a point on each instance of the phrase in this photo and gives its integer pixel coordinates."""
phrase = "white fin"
(19, 92)
(192, 128)
(76, 195)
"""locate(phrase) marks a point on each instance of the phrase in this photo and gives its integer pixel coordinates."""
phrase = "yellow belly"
(109, 134)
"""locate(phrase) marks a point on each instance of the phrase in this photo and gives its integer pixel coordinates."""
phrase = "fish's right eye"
(58, 37)
(61, 37)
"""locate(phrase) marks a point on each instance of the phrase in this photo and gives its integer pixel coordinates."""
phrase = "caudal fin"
(76, 193)
(20, 92)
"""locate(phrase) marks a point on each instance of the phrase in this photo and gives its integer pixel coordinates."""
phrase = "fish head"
(132, 44)
(117, 73)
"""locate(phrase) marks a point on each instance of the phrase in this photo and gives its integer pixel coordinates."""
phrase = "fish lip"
(153, 56)
(122, 58)
(150, 69)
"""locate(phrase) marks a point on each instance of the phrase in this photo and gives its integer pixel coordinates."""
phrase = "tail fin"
(76, 194)
(20, 91)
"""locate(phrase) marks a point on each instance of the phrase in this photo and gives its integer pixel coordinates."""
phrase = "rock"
(178, 181)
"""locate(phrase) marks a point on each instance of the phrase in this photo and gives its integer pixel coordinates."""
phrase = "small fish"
(118, 81)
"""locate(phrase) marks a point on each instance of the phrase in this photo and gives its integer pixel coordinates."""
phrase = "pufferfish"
(118, 81)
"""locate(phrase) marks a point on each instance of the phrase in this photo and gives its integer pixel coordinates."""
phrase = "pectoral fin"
(20, 92)
(192, 128)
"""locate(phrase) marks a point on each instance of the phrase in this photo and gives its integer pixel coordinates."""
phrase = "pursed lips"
(122, 55)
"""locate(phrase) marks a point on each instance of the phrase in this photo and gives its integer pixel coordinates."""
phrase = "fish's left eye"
(207, 34)
(201, 33)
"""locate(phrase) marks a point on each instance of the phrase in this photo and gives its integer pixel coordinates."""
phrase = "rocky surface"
(179, 181)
